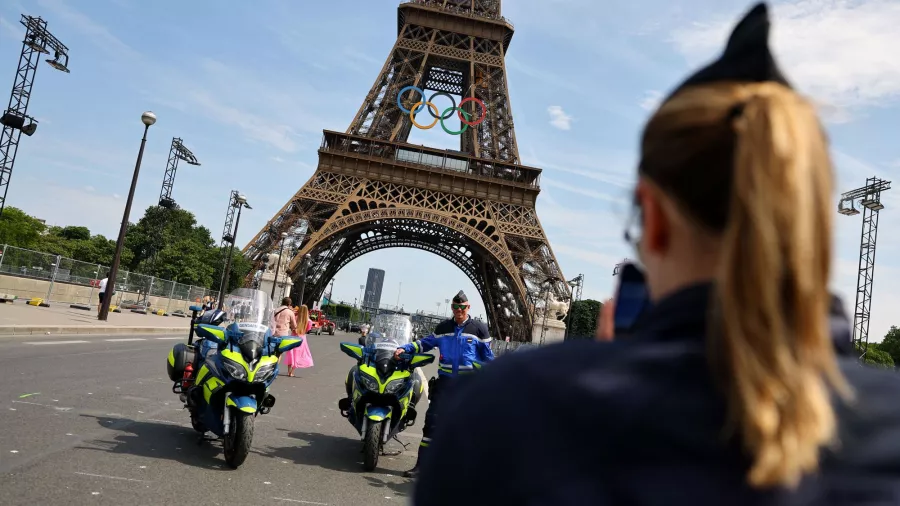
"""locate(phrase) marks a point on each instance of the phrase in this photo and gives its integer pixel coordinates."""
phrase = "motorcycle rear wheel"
(372, 446)
(237, 441)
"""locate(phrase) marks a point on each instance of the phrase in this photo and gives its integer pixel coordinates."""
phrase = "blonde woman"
(300, 357)
(730, 391)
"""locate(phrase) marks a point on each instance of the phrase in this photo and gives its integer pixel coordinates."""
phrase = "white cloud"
(559, 119)
(7, 29)
(99, 212)
(97, 33)
(840, 52)
(581, 190)
(651, 100)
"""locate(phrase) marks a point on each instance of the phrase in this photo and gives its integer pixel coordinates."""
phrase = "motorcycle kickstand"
(204, 438)
(396, 453)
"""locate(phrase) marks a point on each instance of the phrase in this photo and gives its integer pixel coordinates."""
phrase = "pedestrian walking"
(300, 357)
(102, 294)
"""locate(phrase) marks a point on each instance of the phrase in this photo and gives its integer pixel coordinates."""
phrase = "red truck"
(320, 323)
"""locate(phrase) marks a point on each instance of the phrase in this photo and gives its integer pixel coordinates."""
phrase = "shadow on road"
(335, 453)
(404, 489)
(159, 441)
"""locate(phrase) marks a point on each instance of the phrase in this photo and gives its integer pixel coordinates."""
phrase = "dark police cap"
(460, 298)
(747, 56)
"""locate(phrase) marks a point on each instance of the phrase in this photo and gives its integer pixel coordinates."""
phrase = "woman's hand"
(606, 328)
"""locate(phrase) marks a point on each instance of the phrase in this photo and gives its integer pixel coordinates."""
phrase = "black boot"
(414, 472)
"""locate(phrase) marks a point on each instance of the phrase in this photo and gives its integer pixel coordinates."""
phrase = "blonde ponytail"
(772, 346)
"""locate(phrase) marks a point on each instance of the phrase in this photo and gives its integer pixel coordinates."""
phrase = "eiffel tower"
(474, 207)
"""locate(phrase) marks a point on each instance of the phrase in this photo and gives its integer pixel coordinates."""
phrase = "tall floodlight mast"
(869, 198)
(38, 40)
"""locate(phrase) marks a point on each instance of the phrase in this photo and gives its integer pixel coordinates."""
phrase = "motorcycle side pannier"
(180, 356)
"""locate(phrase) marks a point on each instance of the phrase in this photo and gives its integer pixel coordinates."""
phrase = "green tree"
(582, 318)
(19, 229)
(186, 262)
(75, 233)
(877, 357)
(184, 251)
(240, 267)
(891, 344)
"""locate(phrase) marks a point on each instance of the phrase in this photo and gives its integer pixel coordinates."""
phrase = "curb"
(25, 330)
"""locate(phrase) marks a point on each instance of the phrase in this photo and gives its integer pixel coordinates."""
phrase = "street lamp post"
(361, 288)
(278, 265)
(148, 118)
(241, 202)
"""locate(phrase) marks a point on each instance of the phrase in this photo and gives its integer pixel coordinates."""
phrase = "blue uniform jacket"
(463, 347)
(640, 422)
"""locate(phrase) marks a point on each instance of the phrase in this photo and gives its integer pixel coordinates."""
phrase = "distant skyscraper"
(372, 296)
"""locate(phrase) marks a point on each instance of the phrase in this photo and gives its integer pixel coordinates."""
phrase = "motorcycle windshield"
(388, 332)
(393, 328)
(249, 316)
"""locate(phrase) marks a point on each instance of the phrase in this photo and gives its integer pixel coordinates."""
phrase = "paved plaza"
(91, 419)
(59, 318)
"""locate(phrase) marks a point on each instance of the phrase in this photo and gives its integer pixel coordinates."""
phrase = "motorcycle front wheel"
(239, 437)
(372, 445)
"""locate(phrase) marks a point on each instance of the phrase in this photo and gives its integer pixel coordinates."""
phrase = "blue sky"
(250, 86)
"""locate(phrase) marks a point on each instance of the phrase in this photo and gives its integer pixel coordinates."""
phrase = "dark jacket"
(638, 422)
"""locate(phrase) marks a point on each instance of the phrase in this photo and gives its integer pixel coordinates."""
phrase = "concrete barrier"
(23, 330)
(69, 293)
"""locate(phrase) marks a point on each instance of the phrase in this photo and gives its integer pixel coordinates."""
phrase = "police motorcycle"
(382, 392)
(223, 379)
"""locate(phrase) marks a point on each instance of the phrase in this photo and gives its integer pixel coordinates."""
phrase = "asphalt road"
(93, 420)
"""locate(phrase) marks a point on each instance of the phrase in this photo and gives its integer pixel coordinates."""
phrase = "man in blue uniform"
(464, 344)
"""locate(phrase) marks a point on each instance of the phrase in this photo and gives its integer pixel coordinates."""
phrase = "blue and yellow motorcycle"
(382, 392)
(224, 378)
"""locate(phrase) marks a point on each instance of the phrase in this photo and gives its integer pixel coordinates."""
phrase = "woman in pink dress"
(299, 357)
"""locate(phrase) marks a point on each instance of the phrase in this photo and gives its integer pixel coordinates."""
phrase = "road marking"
(298, 501)
(110, 477)
(41, 343)
(58, 408)
(125, 340)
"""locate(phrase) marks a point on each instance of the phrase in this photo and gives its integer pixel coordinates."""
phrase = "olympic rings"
(442, 93)
(464, 116)
(400, 104)
(412, 115)
(464, 127)
(483, 111)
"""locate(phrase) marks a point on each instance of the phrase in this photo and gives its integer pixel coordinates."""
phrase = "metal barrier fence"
(502, 347)
(76, 282)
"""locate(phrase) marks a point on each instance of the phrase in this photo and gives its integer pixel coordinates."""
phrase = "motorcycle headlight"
(368, 382)
(264, 373)
(395, 386)
(234, 369)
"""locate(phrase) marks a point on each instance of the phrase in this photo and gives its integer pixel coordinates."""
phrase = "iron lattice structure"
(36, 42)
(177, 152)
(577, 285)
(228, 230)
(475, 207)
(869, 198)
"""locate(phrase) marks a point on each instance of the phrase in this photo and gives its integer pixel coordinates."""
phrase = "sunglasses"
(459, 306)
